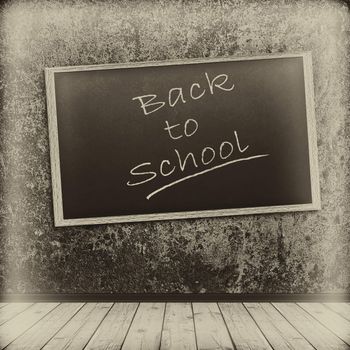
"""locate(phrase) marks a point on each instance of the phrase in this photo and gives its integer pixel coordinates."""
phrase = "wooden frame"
(55, 157)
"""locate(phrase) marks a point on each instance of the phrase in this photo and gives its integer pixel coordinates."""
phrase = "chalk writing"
(148, 172)
(208, 158)
(205, 171)
(187, 127)
(176, 95)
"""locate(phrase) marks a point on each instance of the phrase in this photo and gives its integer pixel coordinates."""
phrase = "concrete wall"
(293, 252)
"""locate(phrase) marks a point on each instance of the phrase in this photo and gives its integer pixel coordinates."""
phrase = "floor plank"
(210, 327)
(318, 335)
(244, 332)
(277, 330)
(79, 330)
(38, 335)
(3, 304)
(173, 326)
(114, 327)
(12, 329)
(178, 329)
(11, 310)
(146, 328)
(343, 309)
(334, 322)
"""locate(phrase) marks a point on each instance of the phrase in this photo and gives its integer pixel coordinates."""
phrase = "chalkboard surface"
(179, 139)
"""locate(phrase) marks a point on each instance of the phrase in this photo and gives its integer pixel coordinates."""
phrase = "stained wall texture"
(290, 252)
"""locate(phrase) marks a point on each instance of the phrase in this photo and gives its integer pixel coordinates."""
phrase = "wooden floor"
(180, 326)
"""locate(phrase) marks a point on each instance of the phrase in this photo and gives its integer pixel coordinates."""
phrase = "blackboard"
(182, 139)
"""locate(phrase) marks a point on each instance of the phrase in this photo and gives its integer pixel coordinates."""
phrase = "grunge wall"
(291, 253)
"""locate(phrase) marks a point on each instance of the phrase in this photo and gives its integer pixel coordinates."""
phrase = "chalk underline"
(203, 172)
